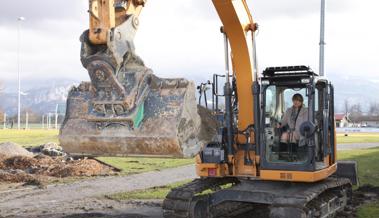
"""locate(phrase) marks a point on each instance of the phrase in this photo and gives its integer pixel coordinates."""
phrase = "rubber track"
(179, 201)
(343, 195)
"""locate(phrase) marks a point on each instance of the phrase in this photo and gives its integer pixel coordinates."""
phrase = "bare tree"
(374, 109)
(33, 117)
(1, 116)
(356, 113)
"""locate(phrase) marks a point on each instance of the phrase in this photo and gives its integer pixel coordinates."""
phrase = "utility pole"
(5, 121)
(49, 121)
(27, 121)
(56, 117)
(322, 39)
(43, 121)
(19, 20)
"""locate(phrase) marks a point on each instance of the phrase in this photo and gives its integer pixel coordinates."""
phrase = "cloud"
(37, 11)
(272, 9)
(182, 38)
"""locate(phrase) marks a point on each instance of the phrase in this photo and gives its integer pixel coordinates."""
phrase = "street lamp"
(322, 39)
(19, 20)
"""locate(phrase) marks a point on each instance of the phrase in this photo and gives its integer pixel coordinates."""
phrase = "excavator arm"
(106, 15)
(125, 97)
(237, 23)
(114, 23)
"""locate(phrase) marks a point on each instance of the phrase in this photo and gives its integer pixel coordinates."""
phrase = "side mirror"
(307, 129)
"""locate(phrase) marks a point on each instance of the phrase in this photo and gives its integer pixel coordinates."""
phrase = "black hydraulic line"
(205, 97)
(229, 117)
(228, 92)
(257, 115)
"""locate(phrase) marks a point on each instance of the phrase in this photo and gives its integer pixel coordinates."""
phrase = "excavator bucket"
(164, 123)
(125, 109)
(128, 110)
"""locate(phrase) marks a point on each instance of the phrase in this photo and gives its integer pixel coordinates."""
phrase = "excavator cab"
(300, 139)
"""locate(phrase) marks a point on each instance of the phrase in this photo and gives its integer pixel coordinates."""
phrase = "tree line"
(356, 112)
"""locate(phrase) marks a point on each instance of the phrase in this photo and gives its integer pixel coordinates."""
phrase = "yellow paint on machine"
(297, 176)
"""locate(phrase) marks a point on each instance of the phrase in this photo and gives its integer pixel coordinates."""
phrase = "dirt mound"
(16, 176)
(28, 169)
(10, 149)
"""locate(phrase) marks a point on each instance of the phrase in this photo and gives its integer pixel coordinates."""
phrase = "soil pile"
(41, 168)
(10, 149)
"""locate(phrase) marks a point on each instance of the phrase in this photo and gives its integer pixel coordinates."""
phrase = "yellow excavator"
(264, 159)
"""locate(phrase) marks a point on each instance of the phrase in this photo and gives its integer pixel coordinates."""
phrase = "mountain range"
(40, 97)
(43, 96)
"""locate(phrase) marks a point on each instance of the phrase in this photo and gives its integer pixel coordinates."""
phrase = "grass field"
(368, 164)
(26, 138)
(369, 211)
(358, 138)
(152, 193)
(368, 173)
(35, 137)
(132, 165)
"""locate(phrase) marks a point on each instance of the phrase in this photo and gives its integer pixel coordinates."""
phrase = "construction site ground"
(44, 186)
(89, 198)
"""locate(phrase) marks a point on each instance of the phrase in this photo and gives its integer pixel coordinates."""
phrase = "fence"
(48, 121)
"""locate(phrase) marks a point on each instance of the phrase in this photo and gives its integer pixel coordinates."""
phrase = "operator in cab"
(291, 139)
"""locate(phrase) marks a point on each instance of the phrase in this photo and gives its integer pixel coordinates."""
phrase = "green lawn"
(357, 138)
(368, 164)
(132, 165)
(152, 193)
(368, 173)
(369, 211)
(28, 138)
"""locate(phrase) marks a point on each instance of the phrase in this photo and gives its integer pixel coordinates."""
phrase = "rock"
(52, 149)
(10, 149)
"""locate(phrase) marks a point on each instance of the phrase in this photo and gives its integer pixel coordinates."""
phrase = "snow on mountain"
(42, 98)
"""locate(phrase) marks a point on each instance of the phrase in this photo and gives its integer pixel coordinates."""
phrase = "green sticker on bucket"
(139, 116)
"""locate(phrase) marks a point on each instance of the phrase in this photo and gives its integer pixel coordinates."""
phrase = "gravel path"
(63, 198)
(353, 146)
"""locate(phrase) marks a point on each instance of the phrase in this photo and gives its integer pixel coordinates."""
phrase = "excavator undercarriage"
(230, 197)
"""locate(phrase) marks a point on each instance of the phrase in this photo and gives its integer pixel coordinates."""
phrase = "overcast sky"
(181, 38)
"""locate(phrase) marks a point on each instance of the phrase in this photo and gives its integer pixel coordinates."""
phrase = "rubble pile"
(21, 166)
(52, 149)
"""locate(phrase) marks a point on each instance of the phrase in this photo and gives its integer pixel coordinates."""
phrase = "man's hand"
(278, 125)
